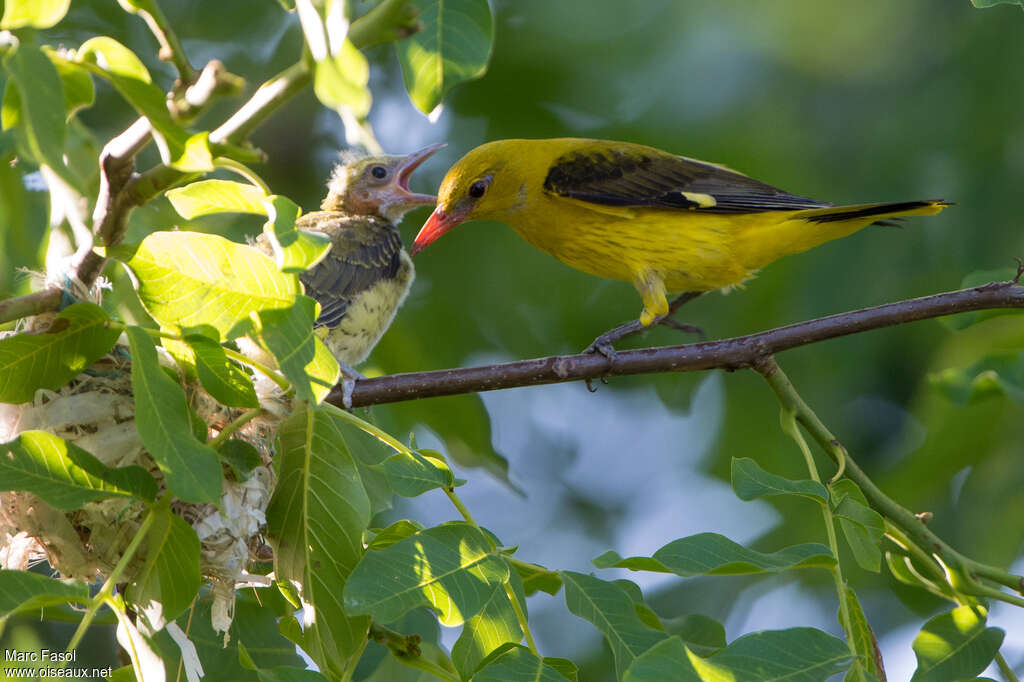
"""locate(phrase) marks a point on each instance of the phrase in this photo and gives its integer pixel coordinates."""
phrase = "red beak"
(437, 224)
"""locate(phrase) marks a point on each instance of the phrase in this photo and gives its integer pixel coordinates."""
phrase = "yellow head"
(490, 182)
(377, 185)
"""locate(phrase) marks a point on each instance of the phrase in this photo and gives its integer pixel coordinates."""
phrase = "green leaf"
(701, 634)
(169, 578)
(794, 655)
(751, 482)
(192, 469)
(399, 530)
(955, 645)
(37, 106)
(208, 197)
(518, 664)
(294, 250)
(537, 578)
(241, 457)
(188, 279)
(196, 156)
(862, 526)
(315, 522)
(610, 609)
(993, 3)
(34, 13)
(453, 47)
(223, 378)
(869, 664)
(452, 568)
(288, 334)
(65, 475)
(24, 591)
(414, 473)
(129, 77)
(339, 81)
(999, 373)
(79, 91)
(714, 554)
(78, 337)
(496, 624)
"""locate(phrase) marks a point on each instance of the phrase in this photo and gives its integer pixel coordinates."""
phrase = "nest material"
(96, 412)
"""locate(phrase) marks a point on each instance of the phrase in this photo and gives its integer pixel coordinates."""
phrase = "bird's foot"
(604, 344)
(683, 327)
(349, 377)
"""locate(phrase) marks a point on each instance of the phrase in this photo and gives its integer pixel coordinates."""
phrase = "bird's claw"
(349, 377)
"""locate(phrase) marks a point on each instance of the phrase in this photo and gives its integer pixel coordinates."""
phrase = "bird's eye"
(379, 172)
(477, 189)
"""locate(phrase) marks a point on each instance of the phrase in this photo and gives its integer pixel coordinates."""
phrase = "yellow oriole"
(630, 212)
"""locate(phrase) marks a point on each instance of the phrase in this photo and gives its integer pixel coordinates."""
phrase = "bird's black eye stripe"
(379, 172)
(477, 189)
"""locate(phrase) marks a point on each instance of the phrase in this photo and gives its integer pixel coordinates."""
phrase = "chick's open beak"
(404, 171)
(437, 224)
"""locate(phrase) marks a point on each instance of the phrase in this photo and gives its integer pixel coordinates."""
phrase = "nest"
(96, 411)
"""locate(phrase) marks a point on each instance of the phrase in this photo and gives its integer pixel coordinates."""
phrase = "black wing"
(644, 176)
(364, 251)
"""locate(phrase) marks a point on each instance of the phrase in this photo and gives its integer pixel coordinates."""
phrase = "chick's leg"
(349, 377)
(657, 310)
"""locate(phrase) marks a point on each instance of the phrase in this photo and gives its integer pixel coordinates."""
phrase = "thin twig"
(728, 354)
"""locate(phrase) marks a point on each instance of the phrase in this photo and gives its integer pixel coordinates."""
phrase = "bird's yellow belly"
(688, 252)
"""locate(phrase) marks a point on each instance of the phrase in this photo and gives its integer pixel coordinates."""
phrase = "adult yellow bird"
(629, 212)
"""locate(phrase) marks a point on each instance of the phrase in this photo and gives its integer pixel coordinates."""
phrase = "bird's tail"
(804, 230)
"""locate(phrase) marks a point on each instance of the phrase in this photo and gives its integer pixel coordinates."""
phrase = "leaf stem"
(231, 428)
(170, 47)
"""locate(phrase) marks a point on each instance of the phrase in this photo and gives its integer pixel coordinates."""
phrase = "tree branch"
(729, 354)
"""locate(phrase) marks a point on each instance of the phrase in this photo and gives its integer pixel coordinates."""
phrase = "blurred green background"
(875, 101)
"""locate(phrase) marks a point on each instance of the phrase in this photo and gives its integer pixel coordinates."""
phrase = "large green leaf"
(794, 655)
(169, 578)
(714, 554)
(610, 609)
(208, 197)
(65, 475)
(302, 356)
(453, 47)
(34, 102)
(130, 77)
(192, 468)
(77, 85)
(79, 336)
(495, 625)
(188, 279)
(955, 645)
(751, 482)
(518, 664)
(339, 81)
(452, 568)
(415, 472)
(22, 590)
(315, 522)
(862, 526)
(34, 13)
(223, 378)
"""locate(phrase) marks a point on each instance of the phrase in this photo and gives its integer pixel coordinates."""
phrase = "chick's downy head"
(377, 185)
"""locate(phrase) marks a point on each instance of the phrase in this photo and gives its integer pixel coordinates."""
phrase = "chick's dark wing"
(634, 175)
(364, 250)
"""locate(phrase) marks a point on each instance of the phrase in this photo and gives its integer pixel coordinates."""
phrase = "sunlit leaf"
(453, 47)
(77, 85)
(288, 334)
(751, 482)
(496, 624)
(79, 336)
(223, 378)
(518, 664)
(34, 13)
(196, 156)
(452, 568)
(713, 554)
(295, 250)
(955, 645)
(315, 522)
(537, 578)
(65, 475)
(188, 279)
(191, 468)
(208, 197)
(36, 104)
(339, 81)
